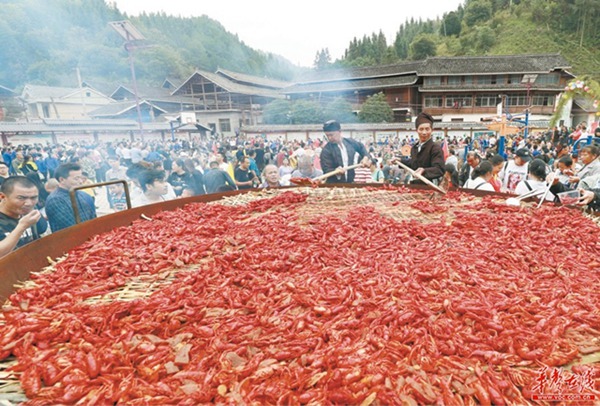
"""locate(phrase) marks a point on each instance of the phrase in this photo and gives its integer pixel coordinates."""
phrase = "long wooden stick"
(335, 172)
(421, 178)
(556, 173)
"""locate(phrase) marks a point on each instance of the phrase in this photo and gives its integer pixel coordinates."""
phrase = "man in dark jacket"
(426, 157)
(472, 160)
(340, 152)
(217, 180)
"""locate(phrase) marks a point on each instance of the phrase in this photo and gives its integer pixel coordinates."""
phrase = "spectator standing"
(3, 172)
(27, 165)
(306, 168)
(376, 172)
(480, 177)
(515, 170)
(472, 161)
(52, 163)
(271, 177)
(179, 177)
(260, 156)
(285, 170)
(16, 163)
(117, 198)
(197, 179)
(362, 175)
(154, 188)
(58, 205)
(243, 176)
(217, 180)
(41, 165)
(536, 179)
(591, 164)
(116, 171)
(497, 162)
(452, 158)
(20, 222)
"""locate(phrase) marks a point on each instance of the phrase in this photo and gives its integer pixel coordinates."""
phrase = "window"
(549, 79)
(433, 81)
(484, 80)
(88, 94)
(46, 110)
(457, 101)
(433, 101)
(514, 79)
(468, 80)
(224, 125)
(543, 100)
(486, 100)
(517, 99)
(454, 80)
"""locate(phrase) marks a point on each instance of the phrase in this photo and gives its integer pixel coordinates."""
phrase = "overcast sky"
(297, 30)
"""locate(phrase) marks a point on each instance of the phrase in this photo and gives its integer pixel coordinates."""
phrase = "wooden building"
(466, 89)
(61, 103)
(225, 101)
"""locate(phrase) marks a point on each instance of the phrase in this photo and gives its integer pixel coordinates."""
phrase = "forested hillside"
(489, 27)
(45, 41)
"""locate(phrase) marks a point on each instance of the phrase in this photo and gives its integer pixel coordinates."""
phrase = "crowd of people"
(36, 180)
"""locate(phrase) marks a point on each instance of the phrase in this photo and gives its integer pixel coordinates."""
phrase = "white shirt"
(479, 184)
(344, 157)
(512, 174)
(452, 159)
(142, 200)
(522, 188)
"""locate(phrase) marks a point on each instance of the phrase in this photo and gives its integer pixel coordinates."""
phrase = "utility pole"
(79, 82)
(528, 81)
(132, 39)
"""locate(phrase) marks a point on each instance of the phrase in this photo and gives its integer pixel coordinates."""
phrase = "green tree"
(339, 109)
(477, 11)
(422, 47)
(485, 39)
(376, 110)
(278, 112)
(306, 112)
(450, 24)
(322, 59)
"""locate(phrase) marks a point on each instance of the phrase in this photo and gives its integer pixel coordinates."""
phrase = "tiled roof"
(346, 127)
(48, 93)
(118, 108)
(174, 82)
(152, 94)
(491, 88)
(36, 92)
(365, 127)
(46, 126)
(232, 86)
(49, 125)
(356, 84)
(360, 73)
(144, 92)
(253, 80)
(586, 105)
(473, 65)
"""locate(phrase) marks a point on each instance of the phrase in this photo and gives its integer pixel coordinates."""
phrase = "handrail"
(94, 185)
(587, 141)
